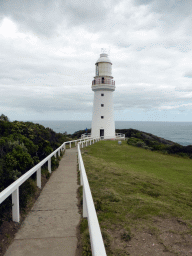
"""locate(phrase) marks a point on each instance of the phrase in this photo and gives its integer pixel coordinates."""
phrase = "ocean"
(180, 132)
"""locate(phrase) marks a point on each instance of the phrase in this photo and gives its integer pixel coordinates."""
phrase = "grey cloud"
(85, 10)
(188, 74)
(144, 2)
(38, 16)
(164, 6)
(150, 98)
(43, 100)
(150, 66)
(44, 16)
(173, 13)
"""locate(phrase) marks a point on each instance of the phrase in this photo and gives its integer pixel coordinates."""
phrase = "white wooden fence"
(13, 189)
(120, 136)
(89, 212)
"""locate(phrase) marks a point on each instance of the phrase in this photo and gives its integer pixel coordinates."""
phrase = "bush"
(23, 145)
(140, 144)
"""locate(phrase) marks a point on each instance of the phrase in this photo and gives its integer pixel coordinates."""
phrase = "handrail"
(120, 135)
(13, 189)
(85, 135)
(97, 244)
(99, 80)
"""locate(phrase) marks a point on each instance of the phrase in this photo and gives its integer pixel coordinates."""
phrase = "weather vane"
(105, 50)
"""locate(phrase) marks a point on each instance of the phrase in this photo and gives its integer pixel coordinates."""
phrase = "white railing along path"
(13, 189)
(89, 212)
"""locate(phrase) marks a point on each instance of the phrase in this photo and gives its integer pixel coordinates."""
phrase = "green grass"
(131, 185)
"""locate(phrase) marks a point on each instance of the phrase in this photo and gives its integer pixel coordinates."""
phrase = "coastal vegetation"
(142, 198)
(141, 189)
(155, 143)
(79, 133)
(23, 145)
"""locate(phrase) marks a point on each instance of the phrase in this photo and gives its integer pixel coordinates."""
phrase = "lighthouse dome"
(103, 58)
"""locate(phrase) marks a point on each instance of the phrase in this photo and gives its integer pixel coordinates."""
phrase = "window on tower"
(97, 70)
(102, 80)
(102, 117)
(102, 105)
(102, 94)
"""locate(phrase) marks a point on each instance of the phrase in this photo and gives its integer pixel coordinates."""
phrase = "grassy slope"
(130, 185)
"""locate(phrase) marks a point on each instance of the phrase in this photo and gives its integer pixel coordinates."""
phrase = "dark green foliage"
(83, 225)
(22, 146)
(148, 138)
(79, 133)
(4, 118)
(80, 193)
(26, 190)
(152, 142)
(54, 163)
(86, 244)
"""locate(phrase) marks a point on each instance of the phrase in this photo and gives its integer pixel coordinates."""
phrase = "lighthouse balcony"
(103, 80)
(105, 87)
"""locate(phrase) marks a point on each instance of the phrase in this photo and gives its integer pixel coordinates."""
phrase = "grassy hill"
(143, 199)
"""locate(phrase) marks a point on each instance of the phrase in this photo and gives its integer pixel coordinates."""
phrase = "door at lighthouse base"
(102, 133)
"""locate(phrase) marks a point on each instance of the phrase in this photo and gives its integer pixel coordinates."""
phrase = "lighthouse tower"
(103, 124)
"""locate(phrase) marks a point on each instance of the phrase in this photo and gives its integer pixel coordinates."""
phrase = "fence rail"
(86, 135)
(120, 136)
(89, 212)
(117, 136)
(13, 189)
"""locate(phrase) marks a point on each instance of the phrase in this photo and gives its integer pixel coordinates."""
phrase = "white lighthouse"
(103, 124)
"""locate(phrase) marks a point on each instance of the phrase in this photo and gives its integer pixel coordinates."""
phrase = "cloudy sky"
(48, 51)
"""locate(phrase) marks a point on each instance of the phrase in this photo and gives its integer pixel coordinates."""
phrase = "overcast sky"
(48, 51)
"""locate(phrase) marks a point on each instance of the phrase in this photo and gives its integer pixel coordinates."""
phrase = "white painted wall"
(107, 111)
(106, 87)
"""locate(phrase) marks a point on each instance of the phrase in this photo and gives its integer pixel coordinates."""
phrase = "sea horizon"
(179, 132)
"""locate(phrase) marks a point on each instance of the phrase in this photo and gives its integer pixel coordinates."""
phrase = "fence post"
(75, 143)
(78, 155)
(55, 155)
(15, 205)
(70, 144)
(85, 214)
(86, 143)
(59, 152)
(81, 178)
(39, 177)
(49, 165)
